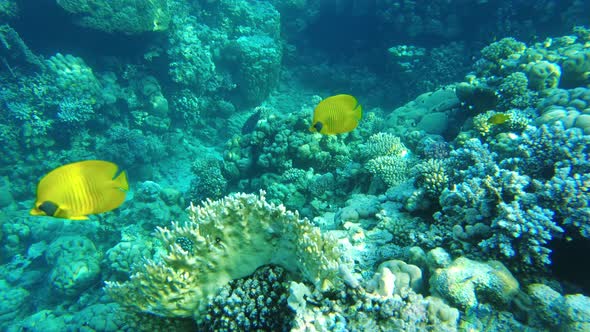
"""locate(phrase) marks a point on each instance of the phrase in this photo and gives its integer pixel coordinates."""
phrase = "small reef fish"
(336, 115)
(498, 118)
(76, 190)
(251, 122)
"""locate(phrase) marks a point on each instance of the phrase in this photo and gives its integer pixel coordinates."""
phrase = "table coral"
(229, 239)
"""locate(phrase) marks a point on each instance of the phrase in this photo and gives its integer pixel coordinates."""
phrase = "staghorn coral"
(230, 238)
(523, 230)
(495, 212)
(472, 159)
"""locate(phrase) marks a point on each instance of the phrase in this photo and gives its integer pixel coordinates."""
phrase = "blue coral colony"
(263, 197)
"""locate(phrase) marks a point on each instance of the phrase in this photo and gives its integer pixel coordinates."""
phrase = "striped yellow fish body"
(76, 190)
(336, 115)
(498, 118)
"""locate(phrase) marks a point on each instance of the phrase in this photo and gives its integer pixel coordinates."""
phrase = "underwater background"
(460, 202)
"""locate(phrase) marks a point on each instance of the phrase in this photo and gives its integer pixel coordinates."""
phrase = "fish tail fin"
(121, 181)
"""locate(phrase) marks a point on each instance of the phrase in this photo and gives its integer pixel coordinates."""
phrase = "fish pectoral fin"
(78, 218)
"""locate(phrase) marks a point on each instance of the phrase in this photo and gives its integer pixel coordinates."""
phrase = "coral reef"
(393, 305)
(493, 210)
(454, 205)
(130, 17)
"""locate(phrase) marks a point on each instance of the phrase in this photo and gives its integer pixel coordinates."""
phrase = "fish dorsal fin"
(121, 181)
(358, 111)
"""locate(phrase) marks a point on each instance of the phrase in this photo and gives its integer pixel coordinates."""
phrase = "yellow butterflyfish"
(498, 118)
(76, 190)
(336, 115)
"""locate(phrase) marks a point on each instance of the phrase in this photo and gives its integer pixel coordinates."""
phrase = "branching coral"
(432, 176)
(384, 144)
(393, 170)
(494, 213)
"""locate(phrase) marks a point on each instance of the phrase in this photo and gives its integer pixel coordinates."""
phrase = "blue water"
(458, 203)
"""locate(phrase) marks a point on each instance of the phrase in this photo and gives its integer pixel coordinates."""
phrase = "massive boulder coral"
(225, 240)
(432, 112)
(550, 309)
(258, 62)
(466, 283)
(76, 264)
